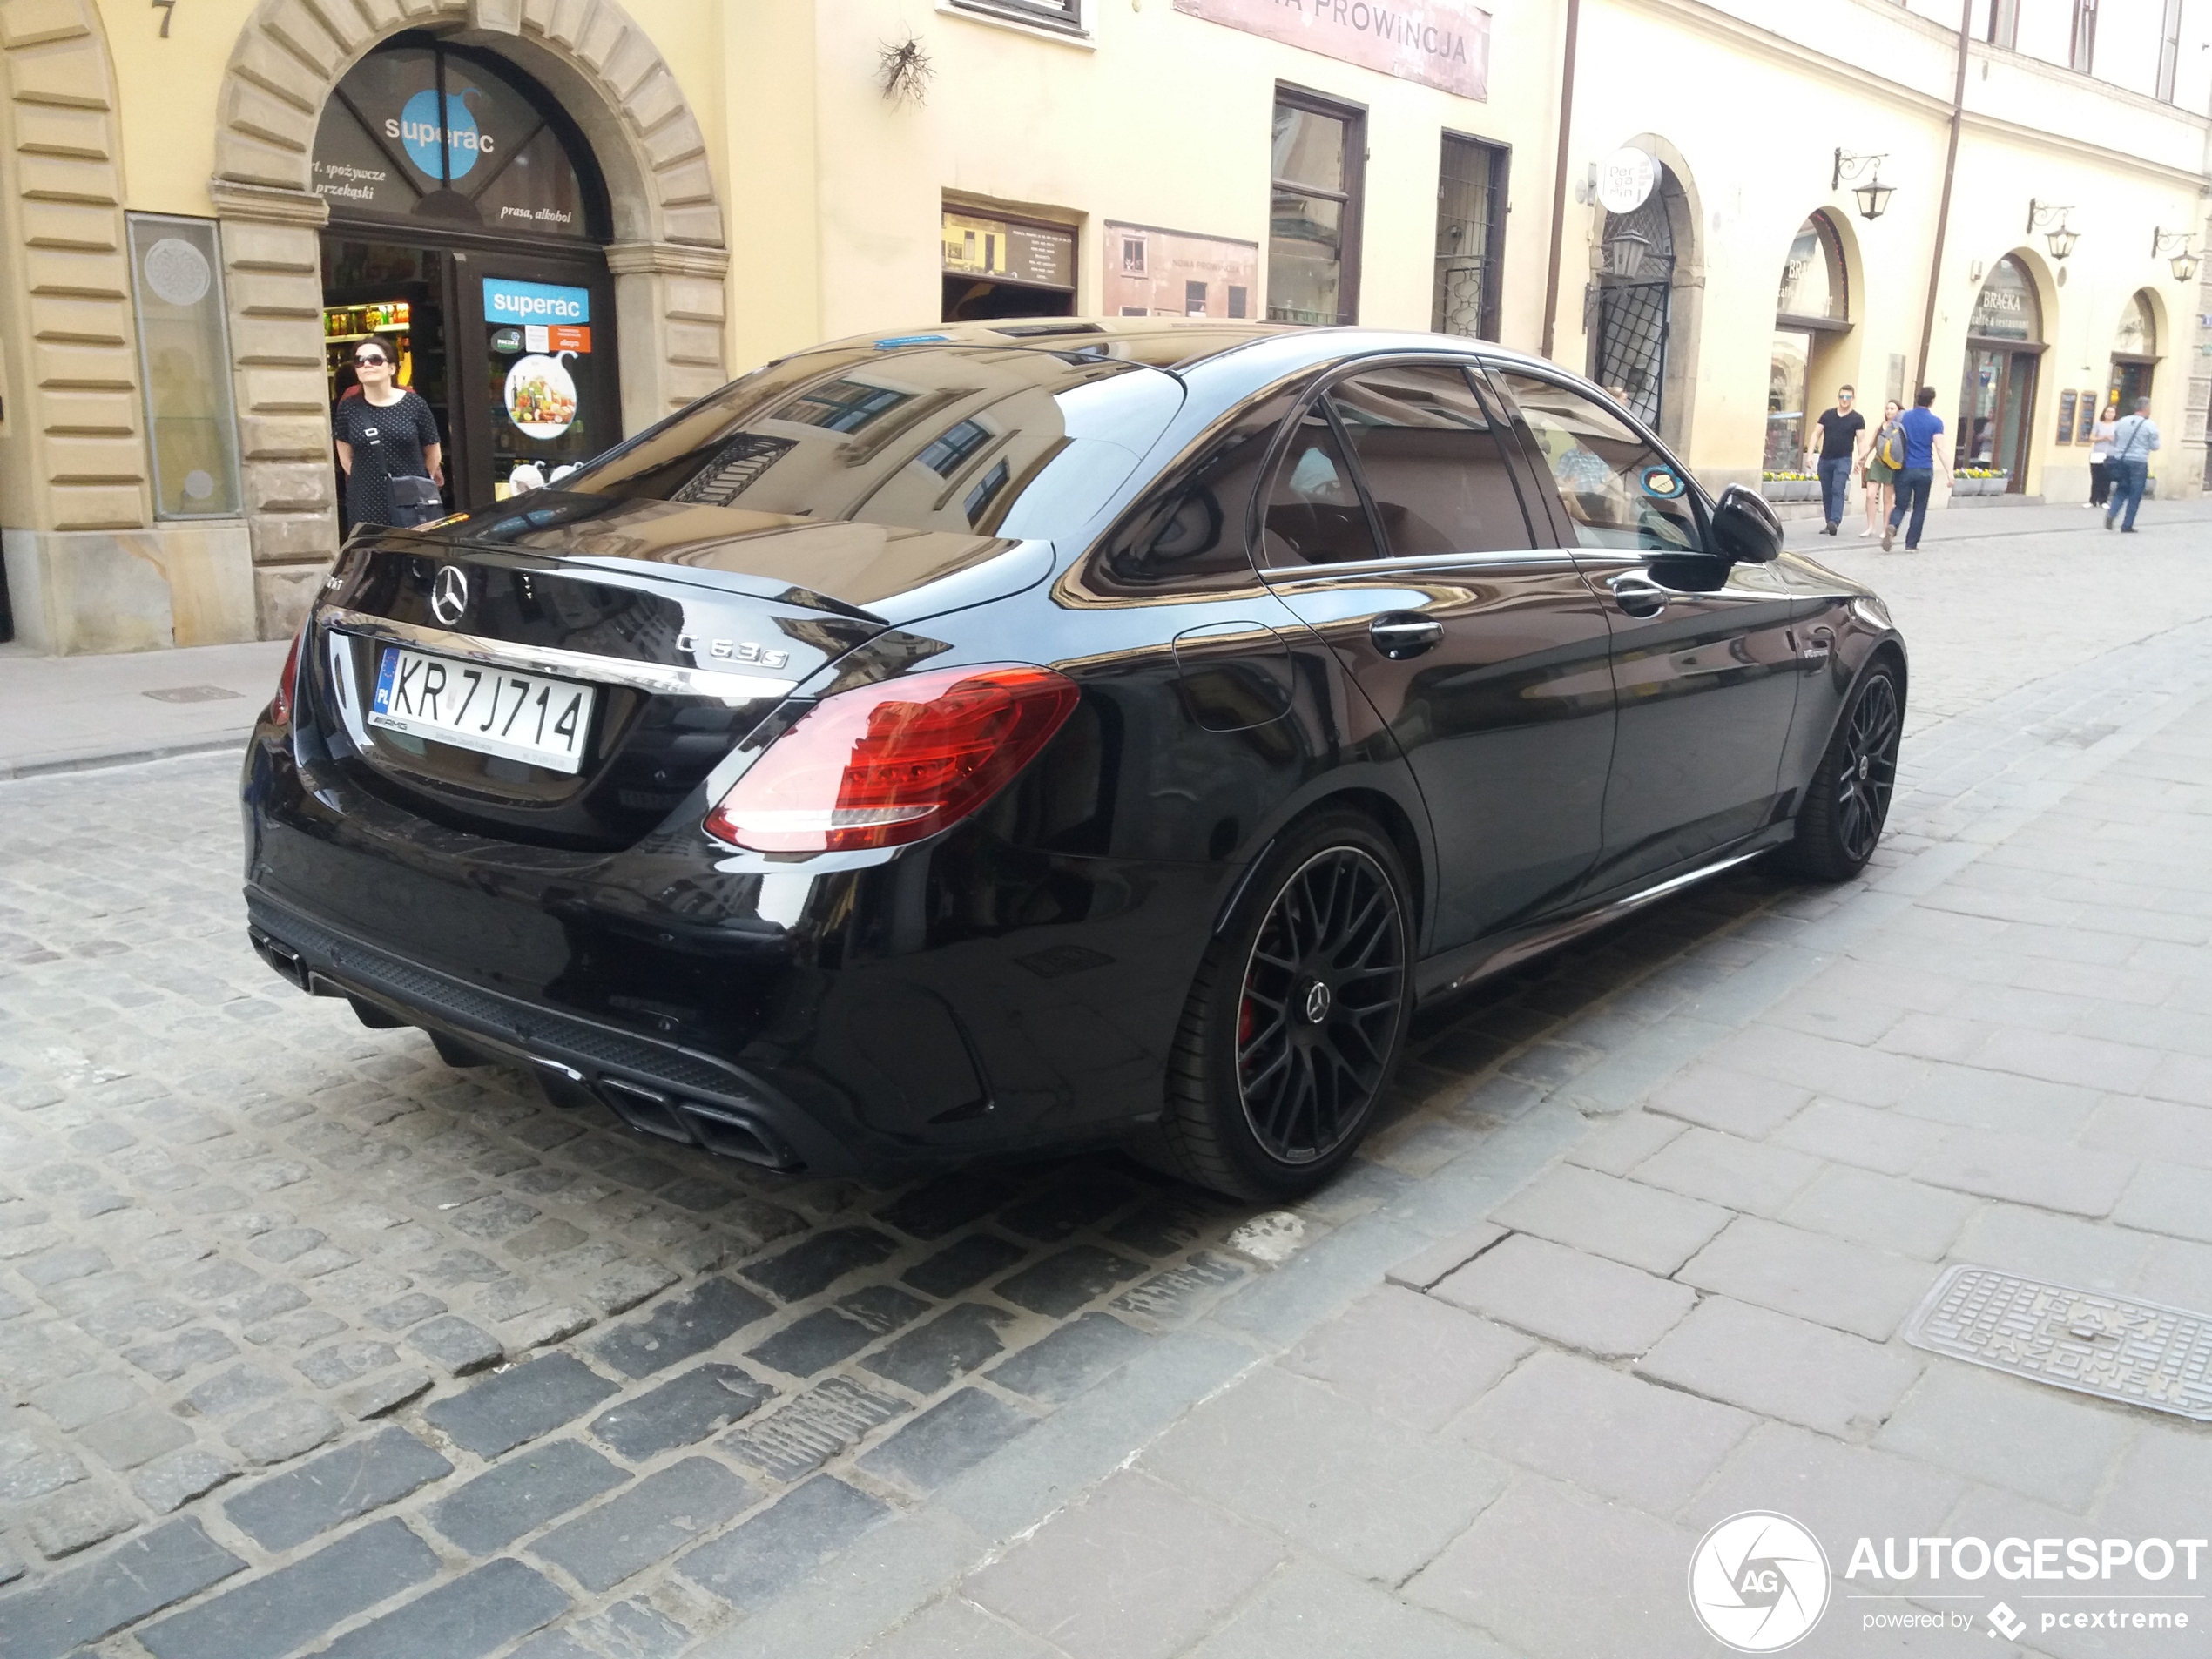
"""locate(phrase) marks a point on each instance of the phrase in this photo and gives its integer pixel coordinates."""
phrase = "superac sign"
(540, 302)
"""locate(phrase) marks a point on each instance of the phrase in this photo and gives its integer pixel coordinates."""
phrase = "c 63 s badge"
(731, 650)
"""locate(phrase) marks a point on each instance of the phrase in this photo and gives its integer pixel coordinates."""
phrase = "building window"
(2005, 23)
(2083, 53)
(1470, 237)
(2169, 49)
(1811, 310)
(1318, 157)
(1053, 13)
(1133, 256)
(185, 359)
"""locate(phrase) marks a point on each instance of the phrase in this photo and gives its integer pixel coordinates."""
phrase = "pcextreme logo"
(1758, 1582)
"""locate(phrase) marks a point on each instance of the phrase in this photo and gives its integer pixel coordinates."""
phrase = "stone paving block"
(935, 1207)
(2186, 1078)
(1413, 1358)
(1870, 1137)
(957, 1432)
(1419, 1271)
(1622, 1143)
(1811, 1275)
(129, 1438)
(679, 1413)
(1309, 1610)
(1979, 1098)
(1840, 1493)
(1606, 1432)
(953, 1628)
(1523, 1573)
(701, 1318)
(411, 1309)
(12, 1566)
(1061, 1283)
(2176, 1272)
(818, 1261)
(1581, 1301)
(279, 1433)
(963, 1265)
(2064, 1249)
(1729, 1170)
(2050, 1175)
(1785, 1367)
(1608, 1216)
(1064, 1363)
(33, 1476)
(1179, 1567)
(232, 1391)
(2159, 1489)
(519, 1403)
(813, 1428)
(289, 1508)
(82, 1399)
(626, 1284)
(1179, 1294)
(2152, 1130)
(1842, 1071)
(166, 1482)
(634, 1629)
(2027, 1437)
(749, 1565)
(1369, 1496)
(812, 1344)
(474, 1615)
(2168, 1198)
(1067, 1207)
(283, 1612)
(2063, 1057)
(77, 1518)
(958, 1340)
(1884, 1210)
(648, 1522)
(520, 1493)
(386, 1391)
(138, 1578)
(454, 1343)
(882, 1308)
(1736, 1101)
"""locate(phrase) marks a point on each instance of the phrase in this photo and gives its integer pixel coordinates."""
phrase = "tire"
(1848, 800)
(1295, 1018)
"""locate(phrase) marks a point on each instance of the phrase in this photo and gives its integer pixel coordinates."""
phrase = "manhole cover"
(190, 694)
(2115, 1347)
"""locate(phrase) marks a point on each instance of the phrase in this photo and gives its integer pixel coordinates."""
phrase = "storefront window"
(184, 365)
(1812, 306)
(2006, 307)
(1314, 223)
(1812, 277)
(1785, 402)
(1997, 395)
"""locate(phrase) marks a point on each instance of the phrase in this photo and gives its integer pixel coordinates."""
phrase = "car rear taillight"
(885, 765)
(287, 681)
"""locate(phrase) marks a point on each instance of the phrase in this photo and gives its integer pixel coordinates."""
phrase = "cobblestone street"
(310, 1344)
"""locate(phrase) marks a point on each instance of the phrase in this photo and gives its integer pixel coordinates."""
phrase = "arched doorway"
(1812, 311)
(466, 234)
(2135, 352)
(1634, 297)
(1997, 399)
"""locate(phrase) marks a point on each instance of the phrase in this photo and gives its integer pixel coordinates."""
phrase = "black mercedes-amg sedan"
(1021, 735)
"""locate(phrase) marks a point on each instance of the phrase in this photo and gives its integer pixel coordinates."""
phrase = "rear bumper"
(960, 996)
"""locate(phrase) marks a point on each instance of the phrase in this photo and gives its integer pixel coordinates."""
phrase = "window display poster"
(1154, 272)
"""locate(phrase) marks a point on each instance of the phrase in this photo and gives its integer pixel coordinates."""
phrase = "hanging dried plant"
(905, 69)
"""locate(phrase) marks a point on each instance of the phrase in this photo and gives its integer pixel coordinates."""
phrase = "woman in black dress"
(386, 433)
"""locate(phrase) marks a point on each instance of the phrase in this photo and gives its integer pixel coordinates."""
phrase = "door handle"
(1401, 634)
(1637, 594)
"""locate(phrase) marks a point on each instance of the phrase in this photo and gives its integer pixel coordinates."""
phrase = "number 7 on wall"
(168, 9)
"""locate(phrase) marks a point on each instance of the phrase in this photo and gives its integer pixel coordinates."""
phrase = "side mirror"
(1745, 530)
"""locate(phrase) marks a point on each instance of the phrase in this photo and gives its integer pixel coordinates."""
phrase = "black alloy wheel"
(1294, 1024)
(1848, 801)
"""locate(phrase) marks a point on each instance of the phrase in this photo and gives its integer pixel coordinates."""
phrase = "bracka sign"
(1444, 43)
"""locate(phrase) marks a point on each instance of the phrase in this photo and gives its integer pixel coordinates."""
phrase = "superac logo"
(1905, 1559)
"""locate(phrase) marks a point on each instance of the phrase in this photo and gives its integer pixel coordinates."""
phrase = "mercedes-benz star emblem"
(1316, 1002)
(449, 595)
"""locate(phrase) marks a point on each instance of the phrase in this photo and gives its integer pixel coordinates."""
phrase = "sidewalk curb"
(99, 759)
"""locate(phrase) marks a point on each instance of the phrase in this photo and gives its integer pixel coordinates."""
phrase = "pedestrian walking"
(2100, 454)
(1921, 426)
(1840, 430)
(1885, 460)
(2133, 437)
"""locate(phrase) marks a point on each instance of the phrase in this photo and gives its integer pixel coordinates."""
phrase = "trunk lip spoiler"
(668, 679)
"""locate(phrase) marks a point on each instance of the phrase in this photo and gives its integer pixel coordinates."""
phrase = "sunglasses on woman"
(371, 361)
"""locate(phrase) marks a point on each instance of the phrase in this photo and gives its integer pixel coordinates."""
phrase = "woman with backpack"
(1884, 456)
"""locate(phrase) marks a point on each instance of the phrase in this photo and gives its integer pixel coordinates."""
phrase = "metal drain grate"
(2139, 1353)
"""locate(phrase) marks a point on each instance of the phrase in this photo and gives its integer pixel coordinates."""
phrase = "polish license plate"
(474, 705)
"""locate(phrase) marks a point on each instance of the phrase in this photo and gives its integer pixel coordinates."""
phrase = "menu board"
(2065, 417)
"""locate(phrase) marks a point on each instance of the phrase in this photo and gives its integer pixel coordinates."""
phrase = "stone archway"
(668, 258)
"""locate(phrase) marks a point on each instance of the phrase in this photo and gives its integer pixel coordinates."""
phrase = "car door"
(1393, 527)
(1704, 659)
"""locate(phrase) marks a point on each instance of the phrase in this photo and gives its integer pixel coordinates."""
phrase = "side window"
(1313, 513)
(1431, 462)
(1188, 534)
(1618, 491)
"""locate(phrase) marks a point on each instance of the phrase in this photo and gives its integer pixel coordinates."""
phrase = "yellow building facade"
(568, 217)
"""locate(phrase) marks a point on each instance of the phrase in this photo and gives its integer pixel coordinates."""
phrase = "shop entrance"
(466, 223)
(2135, 354)
(1997, 398)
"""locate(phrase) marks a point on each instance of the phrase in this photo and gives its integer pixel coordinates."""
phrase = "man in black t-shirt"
(1840, 430)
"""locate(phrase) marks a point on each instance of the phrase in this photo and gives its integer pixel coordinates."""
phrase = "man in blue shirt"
(2129, 465)
(1922, 425)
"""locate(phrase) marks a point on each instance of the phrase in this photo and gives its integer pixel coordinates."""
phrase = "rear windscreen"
(976, 440)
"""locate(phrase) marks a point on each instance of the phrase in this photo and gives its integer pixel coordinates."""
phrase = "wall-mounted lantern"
(1873, 195)
(2063, 236)
(2163, 242)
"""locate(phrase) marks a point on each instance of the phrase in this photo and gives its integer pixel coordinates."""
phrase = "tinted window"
(1314, 515)
(1188, 535)
(1431, 462)
(1618, 491)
